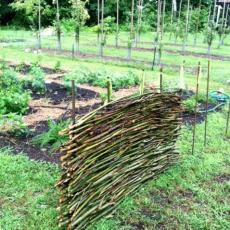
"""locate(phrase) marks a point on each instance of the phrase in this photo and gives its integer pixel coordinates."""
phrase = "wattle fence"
(112, 151)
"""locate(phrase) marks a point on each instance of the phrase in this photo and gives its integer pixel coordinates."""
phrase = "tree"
(33, 9)
(117, 29)
(80, 15)
(58, 24)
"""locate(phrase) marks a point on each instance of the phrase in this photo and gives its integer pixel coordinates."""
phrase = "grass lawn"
(194, 194)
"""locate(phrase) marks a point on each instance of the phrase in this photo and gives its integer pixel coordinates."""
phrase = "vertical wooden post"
(73, 101)
(228, 118)
(154, 57)
(39, 25)
(206, 105)
(73, 52)
(197, 91)
(161, 79)
(109, 90)
(142, 83)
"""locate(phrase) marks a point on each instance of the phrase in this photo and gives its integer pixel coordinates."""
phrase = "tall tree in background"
(132, 34)
(163, 19)
(140, 8)
(102, 43)
(185, 37)
(98, 22)
(80, 15)
(197, 24)
(58, 25)
(117, 29)
(39, 25)
(33, 10)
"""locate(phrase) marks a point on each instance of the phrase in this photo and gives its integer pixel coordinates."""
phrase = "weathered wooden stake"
(109, 89)
(197, 91)
(182, 84)
(73, 52)
(154, 57)
(142, 83)
(206, 105)
(228, 118)
(161, 79)
(73, 101)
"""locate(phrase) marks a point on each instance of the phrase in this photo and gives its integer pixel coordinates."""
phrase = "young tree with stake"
(33, 10)
(80, 15)
(58, 24)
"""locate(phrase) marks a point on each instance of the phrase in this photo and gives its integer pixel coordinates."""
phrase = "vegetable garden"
(122, 124)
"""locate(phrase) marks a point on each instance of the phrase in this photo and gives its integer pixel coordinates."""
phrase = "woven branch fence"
(112, 151)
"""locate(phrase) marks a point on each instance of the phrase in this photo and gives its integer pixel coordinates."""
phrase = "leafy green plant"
(13, 99)
(99, 78)
(57, 67)
(189, 105)
(20, 67)
(51, 138)
(37, 82)
(13, 124)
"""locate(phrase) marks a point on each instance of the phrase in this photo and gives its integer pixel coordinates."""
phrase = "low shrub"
(189, 105)
(51, 138)
(13, 124)
(13, 99)
(99, 78)
(37, 81)
(57, 67)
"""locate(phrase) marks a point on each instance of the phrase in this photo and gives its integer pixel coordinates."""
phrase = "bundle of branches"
(112, 151)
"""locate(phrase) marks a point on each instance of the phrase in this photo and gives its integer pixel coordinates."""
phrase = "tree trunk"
(98, 22)
(214, 11)
(222, 24)
(102, 43)
(163, 20)
(117, 32)
(58, 26)
(77, 39)
(39, 25)
(158, 19)
(225, 25)
(197, 24)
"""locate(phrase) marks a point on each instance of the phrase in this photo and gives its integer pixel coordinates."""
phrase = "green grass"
(194, 194)
(28, 197)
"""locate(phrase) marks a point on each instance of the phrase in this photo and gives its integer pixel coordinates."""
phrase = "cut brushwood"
(112, 151)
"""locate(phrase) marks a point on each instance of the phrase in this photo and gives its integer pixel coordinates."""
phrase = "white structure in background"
(218, 14)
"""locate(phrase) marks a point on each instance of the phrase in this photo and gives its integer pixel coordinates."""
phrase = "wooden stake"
(206, 106)
(73, 101)
(197, 91)
(228, 118)
(154, 57)
(73, 54)
(161, 79)
(109, 90)
(142, 83)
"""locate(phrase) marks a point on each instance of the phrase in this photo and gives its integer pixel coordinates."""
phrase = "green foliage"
(13, 124)
(13, 99)
(99, 78)
(37, 82)
(210, 33)
(20, 67)
(189, 105)
(51, 138)
(57, 66)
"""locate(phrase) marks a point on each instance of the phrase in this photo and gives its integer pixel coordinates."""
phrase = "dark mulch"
(58, 93)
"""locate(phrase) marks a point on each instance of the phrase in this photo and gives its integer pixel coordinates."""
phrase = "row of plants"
(15, 97)
(100, 78)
